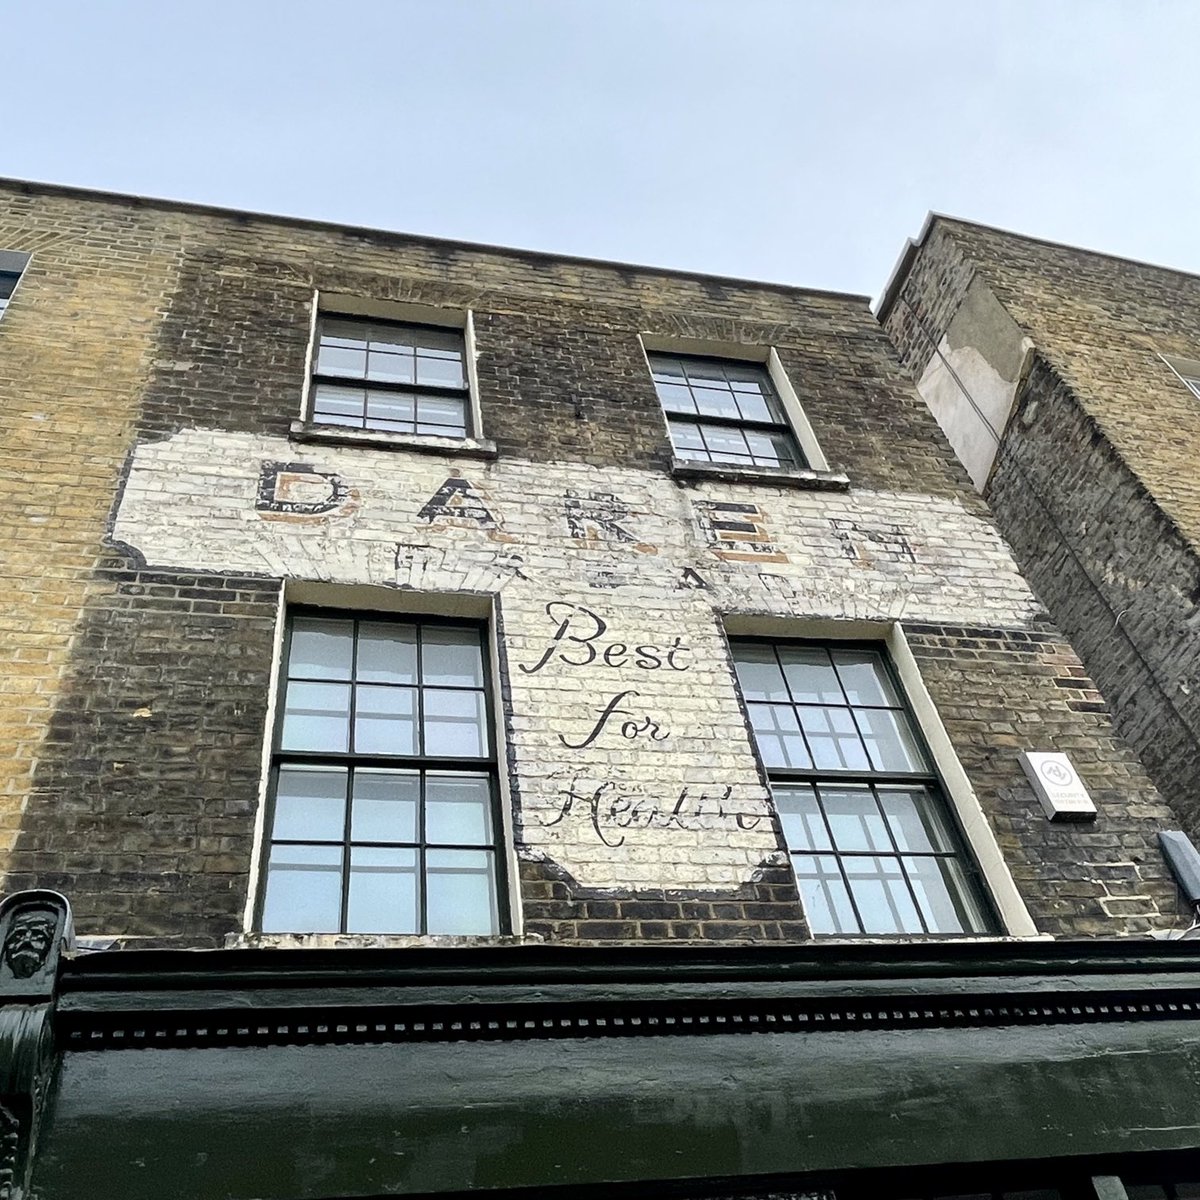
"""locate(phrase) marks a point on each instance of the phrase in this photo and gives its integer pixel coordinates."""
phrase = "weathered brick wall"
(935, 283)
(1000, 690)
(1094, 486)
(148, 783)
(75, 351)
(147, 786)
(1102, 323)
(1115, 572)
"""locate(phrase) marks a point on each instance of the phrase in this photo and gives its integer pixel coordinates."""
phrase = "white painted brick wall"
(611, 814)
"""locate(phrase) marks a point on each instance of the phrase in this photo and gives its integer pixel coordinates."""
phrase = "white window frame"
(368, 601)
(767, 356)
(996, 878)
(337, 304)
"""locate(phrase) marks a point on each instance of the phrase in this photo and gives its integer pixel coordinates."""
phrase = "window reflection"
(384, 789)
(871, 843)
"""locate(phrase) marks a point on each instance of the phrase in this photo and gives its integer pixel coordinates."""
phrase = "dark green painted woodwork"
(913, 1055)
(353, 1120)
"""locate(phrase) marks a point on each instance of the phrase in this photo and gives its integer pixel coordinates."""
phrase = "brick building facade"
(497, 620)
(1061, 377)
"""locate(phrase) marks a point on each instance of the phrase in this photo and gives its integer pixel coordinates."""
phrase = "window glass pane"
(400, 689)
(316, 716)
(445, 342)
(881, 895)
(714, 402)
(335, 359)
(759, 674)
(391, 368)
(762, 447)
(451, 657)
(893, 841)
(686, 439)
(772, 449)
(752, 403)
(385, 426)
(384, 720)
(439, 372)
(826, 902)
(676, 397)
(454, 723)
(387, 653)
(458, 810)
(338, 405)
(666, 368)
(745, 374)
(889, 740)
(803, 826)
(854, 818)
(810, 675)
(778, 735)
(445, 412)
(385, 805)
(387, 409)
(947, 901)
(310, 803)
(343, 333)
(708, 373)
(383, 891)
(726, 445)
(915, 819)
(865, 679)
(833, 739)
(8, 283)
(461, 891)
(393, 339)
(304, 890)
(320, 649)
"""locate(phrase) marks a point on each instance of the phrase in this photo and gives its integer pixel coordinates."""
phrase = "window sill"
(367, 941)
(824, 481)
(374, 439)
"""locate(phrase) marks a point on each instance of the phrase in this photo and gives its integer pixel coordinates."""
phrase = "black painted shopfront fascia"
(916, 1070)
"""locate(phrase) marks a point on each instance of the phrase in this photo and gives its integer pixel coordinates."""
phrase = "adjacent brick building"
(1061, 376)
(389, 613)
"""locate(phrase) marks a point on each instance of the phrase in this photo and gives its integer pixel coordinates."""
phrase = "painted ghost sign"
(300, 492)
(597, 517)
(621, 718)
(737, 532)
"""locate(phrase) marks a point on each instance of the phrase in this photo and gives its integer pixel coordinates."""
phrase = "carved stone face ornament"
(29, 943)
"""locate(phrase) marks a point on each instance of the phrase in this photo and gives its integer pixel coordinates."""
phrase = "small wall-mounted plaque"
(1060, 790)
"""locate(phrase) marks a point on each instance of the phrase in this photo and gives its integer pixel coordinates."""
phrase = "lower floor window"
(384, 806)
(871, 840)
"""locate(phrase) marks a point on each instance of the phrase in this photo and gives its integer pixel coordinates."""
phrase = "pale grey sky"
(791, 140)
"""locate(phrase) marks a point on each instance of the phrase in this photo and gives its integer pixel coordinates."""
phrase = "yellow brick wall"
(76, 347)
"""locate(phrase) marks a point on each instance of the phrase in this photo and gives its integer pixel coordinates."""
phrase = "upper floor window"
(12, 264)
(871, 840)
(725, 411)
(384, 812)
(391, 377)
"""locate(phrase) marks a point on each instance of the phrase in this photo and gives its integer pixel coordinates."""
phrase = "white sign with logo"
(1059, 788)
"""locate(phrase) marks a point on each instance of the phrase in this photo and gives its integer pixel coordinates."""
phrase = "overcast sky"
(792, 140)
